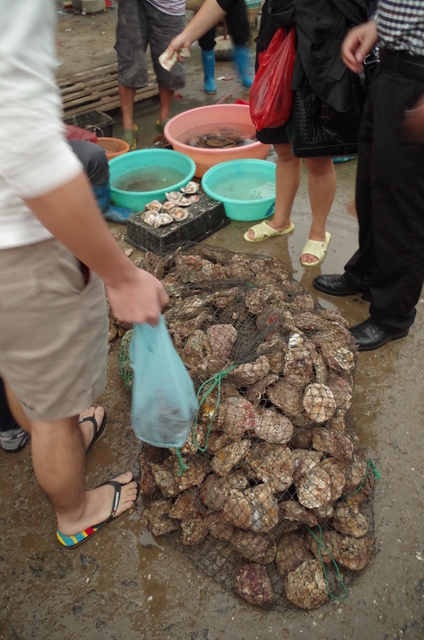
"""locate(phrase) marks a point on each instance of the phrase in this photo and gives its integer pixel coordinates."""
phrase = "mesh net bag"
(270, 495)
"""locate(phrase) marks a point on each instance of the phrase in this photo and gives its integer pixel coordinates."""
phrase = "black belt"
(403, 63)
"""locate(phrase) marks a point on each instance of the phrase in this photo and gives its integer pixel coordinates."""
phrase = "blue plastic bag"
(164, 403)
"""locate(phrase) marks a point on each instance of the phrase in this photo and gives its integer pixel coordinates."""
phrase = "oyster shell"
(320, 368)
(305, 586)
(307, 321)
(355, 472)
(218, 529)
(194, 199)
(273, 464)
(218, 441)
(158, 521)
(337, 476)
(246, 374)
(193, 531)
(252, 583)
(190, 188)
(338, 356)
(162, 220)
(272, 427)
(291, 553)
(352, 553)
(257, 547)
(229, 456)
(149, 217)
(275, 350)
(302, 439)
(209, 366)
(239, 417)
(147, 485)
(319, 402)
(215, 491)
(255, 391)
(304, 461)
(165, 479)
(294, 512)
(186, 506)
(196, 348)
(170, 483)
(286, 397)
(349, 521)
(342, 391)
(331, 442)
(258, 297)
(178, 214)
(298, 365)
(314, 488)
(264, 508)
(167, 206)
(222, 338)
(155, 205)
(304, 302)
(173, 196)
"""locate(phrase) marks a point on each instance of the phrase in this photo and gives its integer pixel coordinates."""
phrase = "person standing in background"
(388, 267)
(142, 23)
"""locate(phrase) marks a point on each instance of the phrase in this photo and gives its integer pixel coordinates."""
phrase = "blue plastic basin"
(136, 200)
(242, 173)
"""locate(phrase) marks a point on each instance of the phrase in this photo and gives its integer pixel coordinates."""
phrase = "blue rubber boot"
(208, 59)
(110, 211)
(244, 64)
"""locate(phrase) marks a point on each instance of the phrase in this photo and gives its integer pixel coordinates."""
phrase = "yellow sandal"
(263, 231)
(317, 249)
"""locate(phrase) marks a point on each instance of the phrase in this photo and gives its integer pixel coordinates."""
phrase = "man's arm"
(358, 43)
(71, 214)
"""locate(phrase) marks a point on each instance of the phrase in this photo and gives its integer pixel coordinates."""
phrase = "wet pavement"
(124, 584)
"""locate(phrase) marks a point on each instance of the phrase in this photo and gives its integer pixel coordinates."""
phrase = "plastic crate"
(205, 217)
(96, 121)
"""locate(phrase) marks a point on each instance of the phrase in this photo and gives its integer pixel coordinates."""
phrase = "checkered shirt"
(400, 25)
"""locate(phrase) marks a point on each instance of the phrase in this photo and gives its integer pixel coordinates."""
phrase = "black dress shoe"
(369, 336)
(340, 285)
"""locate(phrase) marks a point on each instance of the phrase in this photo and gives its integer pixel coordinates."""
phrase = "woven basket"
(113, 147)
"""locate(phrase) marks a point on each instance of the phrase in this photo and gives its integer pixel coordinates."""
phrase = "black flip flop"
(78, 538)
(98, 432)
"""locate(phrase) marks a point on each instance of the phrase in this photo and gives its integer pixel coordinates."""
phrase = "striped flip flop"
(78, 538)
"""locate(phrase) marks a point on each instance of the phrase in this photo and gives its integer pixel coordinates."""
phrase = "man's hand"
(413, 125)
(139, 299)
(179, 42)
(358, 43)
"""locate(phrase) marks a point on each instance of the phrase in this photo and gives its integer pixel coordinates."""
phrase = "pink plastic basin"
(214, 116)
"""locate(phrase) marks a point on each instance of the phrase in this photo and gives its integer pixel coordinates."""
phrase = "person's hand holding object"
(357, 44)
(139, 298)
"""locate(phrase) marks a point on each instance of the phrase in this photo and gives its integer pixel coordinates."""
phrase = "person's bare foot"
(98, 506)
(87, 429)
(273, 225)
(307, 257)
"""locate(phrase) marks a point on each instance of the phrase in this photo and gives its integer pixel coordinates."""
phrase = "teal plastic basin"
(136, 200)
(242, 173)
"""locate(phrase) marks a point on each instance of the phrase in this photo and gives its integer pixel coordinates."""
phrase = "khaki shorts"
(53, 330)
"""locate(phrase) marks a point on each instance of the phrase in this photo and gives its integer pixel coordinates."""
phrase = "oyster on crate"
(191, 188)
(178, 214)
(162, 220)
(291, 552)
(155, 205)
(252, 583)
(305, 586)
(319, 402)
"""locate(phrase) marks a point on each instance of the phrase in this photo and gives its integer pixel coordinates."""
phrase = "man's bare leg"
(23, 421)
(165, 97)
(58, 455)
(126, 97)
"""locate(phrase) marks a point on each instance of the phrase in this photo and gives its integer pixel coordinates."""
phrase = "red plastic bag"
(271, 95)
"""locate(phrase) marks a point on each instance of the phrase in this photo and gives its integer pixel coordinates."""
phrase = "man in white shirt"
(55, 251)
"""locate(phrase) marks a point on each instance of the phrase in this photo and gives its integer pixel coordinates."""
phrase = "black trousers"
(237, 23)
(390, 202)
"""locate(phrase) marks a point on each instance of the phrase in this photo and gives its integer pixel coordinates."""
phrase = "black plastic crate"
(204, 218)
(96, 121)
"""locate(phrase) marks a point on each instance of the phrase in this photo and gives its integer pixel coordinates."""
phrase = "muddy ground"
(123, 584)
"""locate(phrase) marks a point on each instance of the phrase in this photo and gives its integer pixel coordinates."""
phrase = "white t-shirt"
(34, 155)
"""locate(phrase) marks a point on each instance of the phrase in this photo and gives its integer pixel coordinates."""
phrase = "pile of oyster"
(271, 460)
(174, 209)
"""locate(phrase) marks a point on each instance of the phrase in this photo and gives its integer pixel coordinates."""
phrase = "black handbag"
(315, 129)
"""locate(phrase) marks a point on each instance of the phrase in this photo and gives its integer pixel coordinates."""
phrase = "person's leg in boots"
(239, 30)
(207, 44)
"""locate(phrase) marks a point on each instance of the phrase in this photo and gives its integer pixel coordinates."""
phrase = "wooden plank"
(97, 89)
